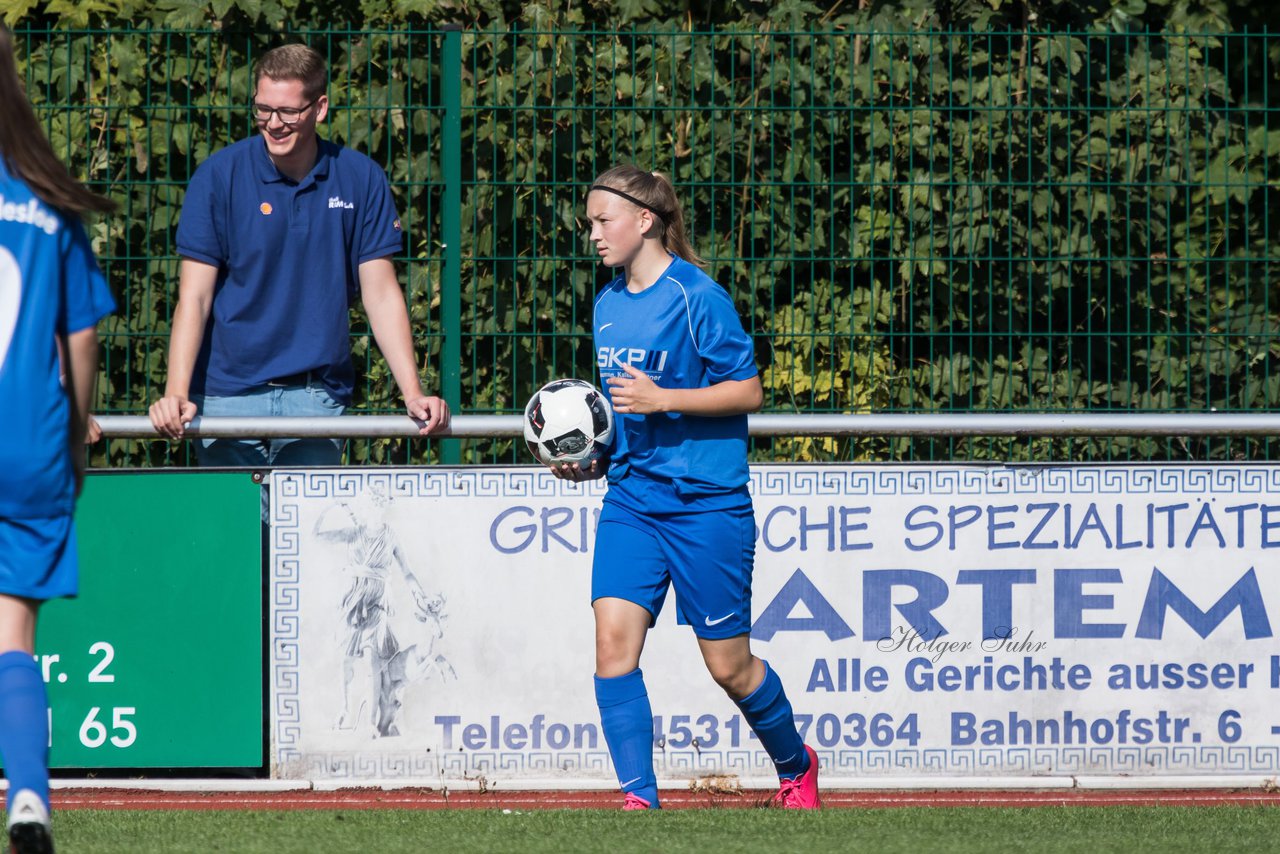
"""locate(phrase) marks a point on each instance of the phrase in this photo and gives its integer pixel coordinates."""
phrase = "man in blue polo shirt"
(278, 234)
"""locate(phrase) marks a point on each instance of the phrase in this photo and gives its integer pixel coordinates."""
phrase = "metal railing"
(759, 425)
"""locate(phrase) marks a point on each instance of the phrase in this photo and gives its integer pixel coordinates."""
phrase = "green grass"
(1094, 830)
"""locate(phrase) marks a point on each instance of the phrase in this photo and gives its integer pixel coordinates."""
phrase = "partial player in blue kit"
(52, 296)
(681, 375)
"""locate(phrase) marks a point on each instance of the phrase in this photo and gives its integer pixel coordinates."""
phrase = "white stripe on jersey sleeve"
(688, 315)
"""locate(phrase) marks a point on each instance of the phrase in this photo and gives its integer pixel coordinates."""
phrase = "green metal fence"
(908, 222)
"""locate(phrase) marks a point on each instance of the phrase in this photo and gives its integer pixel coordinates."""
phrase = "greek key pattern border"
(837, 481)
(1145, 761)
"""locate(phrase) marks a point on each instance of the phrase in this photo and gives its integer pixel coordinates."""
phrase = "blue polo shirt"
(288, 255)
(684, 332)
(50, 285)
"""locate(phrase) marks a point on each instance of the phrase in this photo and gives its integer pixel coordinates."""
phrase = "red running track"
(432, 799)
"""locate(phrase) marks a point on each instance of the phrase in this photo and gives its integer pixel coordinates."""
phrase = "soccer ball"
(568, 421)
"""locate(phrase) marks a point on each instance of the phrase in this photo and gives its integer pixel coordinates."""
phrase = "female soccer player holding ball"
(52, 295)
(681, 375)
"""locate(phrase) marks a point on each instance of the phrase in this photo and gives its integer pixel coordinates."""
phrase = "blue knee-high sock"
(627, 721)
(24, 725)
(768, 711)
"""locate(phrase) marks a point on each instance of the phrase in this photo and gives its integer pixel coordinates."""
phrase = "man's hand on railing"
(170, 415)
(432, 411)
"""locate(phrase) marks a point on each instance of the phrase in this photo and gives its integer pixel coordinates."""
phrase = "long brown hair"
(654, 191)
(26, 150)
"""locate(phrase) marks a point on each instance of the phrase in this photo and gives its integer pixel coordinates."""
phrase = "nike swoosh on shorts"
(711, 622)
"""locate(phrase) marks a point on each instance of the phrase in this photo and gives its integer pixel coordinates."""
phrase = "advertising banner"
(158, 662)
(926, 621)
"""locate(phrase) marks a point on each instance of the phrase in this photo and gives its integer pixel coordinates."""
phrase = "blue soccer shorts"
(706, 556)
(38, 558)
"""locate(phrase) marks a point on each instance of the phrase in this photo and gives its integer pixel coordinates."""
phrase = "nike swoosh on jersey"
(711, 622)
(605, 326)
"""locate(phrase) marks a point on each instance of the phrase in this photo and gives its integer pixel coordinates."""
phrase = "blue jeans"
(310, 399)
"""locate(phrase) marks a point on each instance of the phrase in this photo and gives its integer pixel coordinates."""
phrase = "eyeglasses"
(287, 115)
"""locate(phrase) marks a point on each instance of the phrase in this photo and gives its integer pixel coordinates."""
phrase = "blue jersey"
(683, 332)
(50, 285)
(288, 255)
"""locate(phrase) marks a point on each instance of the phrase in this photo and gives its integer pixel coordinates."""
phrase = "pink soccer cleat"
(801, 793)
(635, 802)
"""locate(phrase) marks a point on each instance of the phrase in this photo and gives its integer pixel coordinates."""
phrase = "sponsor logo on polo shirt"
(265, 207)
(337, 202)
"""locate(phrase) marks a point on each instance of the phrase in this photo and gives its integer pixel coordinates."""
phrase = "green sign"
(158, 662)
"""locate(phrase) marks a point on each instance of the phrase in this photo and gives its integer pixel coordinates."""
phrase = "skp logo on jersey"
(613, 358)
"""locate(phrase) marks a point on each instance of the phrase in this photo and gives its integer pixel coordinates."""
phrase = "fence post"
(451, 278)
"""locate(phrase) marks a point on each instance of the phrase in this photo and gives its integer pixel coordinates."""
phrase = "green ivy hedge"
(917, 207)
